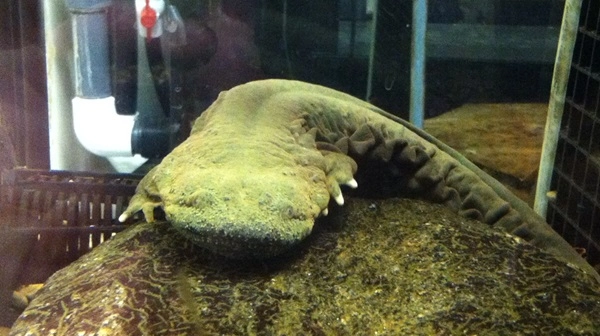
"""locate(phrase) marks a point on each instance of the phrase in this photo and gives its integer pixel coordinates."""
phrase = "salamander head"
(234, 213)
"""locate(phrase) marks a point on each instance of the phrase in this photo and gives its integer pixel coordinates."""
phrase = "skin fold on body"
(265, 159)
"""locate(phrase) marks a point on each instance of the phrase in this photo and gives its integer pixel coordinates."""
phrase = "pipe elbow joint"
(100, 129)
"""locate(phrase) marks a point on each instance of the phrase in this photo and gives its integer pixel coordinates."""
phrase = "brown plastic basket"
(48, 219)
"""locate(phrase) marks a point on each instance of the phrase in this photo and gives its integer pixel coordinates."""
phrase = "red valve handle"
(148, 18)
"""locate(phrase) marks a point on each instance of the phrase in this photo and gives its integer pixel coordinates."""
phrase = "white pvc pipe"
(562, 67)
(100, 129)
(65, 151)
(84, 133)
(103, 132)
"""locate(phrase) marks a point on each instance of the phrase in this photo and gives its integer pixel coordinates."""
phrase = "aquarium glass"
(95, 93)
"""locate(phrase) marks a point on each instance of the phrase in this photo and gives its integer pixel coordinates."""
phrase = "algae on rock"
(393, 266)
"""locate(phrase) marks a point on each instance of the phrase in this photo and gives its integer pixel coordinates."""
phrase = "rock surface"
(394, 266)
(504, 139)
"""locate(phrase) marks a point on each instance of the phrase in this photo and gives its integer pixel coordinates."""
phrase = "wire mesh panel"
(575, 211)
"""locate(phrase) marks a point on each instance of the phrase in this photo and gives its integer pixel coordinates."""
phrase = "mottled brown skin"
(263, 161)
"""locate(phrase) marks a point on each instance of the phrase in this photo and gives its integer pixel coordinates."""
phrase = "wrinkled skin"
(264, 160)
(250, 179)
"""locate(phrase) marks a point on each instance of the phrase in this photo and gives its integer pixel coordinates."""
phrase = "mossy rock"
(395, 266)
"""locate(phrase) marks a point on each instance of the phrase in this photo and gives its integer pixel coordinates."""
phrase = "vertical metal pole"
(417, 71)
(372, 51)
(353, 17)
(562, 66)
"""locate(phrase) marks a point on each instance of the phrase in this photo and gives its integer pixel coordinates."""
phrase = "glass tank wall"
(474, 52)
(91, 89)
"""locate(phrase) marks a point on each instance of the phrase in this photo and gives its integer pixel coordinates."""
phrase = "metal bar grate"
(575, 212)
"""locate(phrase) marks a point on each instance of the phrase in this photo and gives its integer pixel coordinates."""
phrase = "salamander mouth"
(241, 238)
(237, 244)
